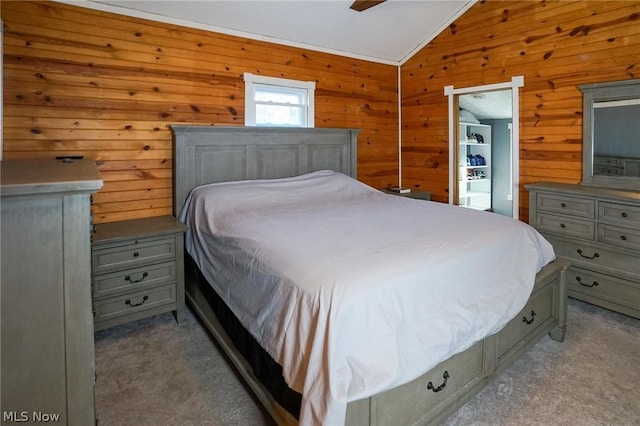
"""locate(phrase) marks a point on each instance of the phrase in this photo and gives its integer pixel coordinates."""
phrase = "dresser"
(137, 270)
(598, 230)
(47, 352)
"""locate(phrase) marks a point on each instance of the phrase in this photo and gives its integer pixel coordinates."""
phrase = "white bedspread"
(354, 291)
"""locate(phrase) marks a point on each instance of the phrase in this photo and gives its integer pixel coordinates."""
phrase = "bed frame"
(207, 154)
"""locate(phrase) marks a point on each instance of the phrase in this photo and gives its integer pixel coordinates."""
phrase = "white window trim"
(251, 79)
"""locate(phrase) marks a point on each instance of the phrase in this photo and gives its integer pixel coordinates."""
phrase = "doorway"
(483, 147)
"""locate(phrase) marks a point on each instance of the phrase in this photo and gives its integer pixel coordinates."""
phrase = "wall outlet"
(509, 197)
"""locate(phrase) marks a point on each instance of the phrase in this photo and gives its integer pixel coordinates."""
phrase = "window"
(280, 102)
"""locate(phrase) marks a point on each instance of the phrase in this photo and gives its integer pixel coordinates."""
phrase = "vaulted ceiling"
(389, 32)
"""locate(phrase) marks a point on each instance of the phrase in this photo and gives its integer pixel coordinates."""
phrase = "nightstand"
(415, 193)
(137, 270)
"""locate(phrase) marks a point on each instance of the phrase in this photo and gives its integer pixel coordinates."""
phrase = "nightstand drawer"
(619, 214)
(126, 304)
(131, 255)
(562, 225)
(574, 206)
(415, 193)
(132, 279)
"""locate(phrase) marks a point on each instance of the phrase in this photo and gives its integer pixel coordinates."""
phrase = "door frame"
(452, 93)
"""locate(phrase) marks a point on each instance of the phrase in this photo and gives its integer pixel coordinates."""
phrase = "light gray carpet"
(158, 372)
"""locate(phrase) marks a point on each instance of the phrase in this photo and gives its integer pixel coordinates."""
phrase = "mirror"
(611, 134)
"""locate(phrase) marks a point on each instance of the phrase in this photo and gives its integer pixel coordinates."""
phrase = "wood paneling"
(556, 45)
(83, 82)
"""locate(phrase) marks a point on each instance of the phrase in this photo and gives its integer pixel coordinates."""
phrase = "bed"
(355, 342)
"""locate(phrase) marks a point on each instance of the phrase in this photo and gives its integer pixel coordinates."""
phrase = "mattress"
(354, 291)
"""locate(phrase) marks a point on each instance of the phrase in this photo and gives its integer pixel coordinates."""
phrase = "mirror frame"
(598, 92)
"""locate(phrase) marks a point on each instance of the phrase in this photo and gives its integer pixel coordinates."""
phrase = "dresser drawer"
(591, 256)
(573, 206)
(133, 279)
(583, 282)
(138, 253)
(606, 166)
(409, 402)
(126, 304)
(606, 170)
(619, 214)
(621, 237)
(608, 161)
(536, 313)
(562, 225)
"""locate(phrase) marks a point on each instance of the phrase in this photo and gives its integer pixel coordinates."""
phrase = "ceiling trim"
(212, 28)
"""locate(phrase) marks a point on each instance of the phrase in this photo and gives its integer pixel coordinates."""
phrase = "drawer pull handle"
(623, 237)
(588, 257)
(563, 205)
(593, 284)
(624, 214)
(144, 275)
(133, 305)
(562, 225)
(136, 254)
(533, 316)
(445, 376)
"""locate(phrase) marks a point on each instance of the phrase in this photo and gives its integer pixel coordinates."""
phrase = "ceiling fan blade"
(362, 5)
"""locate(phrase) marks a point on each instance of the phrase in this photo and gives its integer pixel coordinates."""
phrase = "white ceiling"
(388, 33)
(488, 105)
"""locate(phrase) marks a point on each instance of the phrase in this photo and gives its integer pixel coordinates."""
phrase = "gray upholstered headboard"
(208, 154)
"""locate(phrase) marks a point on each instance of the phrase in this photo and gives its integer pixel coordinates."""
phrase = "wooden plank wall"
(83, 82)
(556, 45)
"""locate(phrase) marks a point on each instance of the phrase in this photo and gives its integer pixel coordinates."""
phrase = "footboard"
(436, 395)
